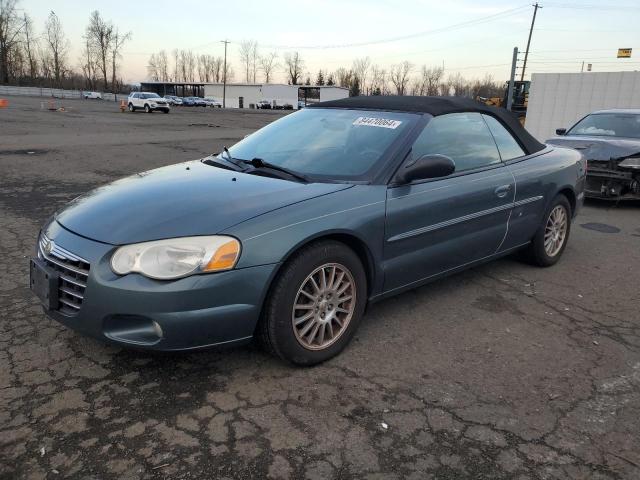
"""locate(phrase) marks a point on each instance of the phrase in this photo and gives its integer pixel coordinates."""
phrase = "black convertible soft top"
(438, 106)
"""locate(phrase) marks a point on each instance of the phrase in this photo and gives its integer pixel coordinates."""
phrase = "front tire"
(132, 108)
(550, 240)
(315, 304)
(147, 109)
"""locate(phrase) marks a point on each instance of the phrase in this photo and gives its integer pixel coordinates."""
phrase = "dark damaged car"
(610, 141)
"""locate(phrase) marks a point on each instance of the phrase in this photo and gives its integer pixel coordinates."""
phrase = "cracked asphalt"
(505, 371)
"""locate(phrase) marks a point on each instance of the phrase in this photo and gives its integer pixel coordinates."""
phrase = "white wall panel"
(561, 99)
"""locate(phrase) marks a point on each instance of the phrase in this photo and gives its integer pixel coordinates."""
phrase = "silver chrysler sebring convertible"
(287, 235)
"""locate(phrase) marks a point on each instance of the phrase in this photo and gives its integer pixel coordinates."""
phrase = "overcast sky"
(469, 37)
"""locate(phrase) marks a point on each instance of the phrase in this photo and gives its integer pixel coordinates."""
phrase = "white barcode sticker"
(377, 122)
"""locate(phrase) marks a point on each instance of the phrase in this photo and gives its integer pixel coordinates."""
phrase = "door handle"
(502, 190)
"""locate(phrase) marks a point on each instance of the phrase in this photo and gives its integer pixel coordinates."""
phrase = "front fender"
(357, 212)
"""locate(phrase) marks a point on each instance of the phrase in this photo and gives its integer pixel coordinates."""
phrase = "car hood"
(192, 198)
(599, 148)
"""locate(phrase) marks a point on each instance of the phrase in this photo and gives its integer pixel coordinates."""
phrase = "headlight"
(631, 162)
(177, 257)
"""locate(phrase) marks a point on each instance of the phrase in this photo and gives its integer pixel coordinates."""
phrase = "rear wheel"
(315, 304)
(550, 240)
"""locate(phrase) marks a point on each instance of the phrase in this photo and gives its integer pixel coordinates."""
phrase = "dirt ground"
(505, 372)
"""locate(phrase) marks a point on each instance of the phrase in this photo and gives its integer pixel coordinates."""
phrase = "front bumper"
(190, 313)
(160, 107)
(606, 180)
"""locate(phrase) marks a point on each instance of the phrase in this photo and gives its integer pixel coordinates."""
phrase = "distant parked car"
(264, 104)
(301, 104)
(199, 101)
(173, 100)
(188, 102)
(149, 101)
(610, 141)
(93, 95)
(212, 102)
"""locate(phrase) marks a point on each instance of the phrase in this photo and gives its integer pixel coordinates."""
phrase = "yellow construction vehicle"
(520, 99)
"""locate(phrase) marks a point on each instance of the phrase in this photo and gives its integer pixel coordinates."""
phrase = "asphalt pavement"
(505, 371)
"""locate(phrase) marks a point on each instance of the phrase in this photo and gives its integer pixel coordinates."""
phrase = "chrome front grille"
(73, 272)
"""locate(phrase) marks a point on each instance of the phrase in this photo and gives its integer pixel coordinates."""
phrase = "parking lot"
(504, 371)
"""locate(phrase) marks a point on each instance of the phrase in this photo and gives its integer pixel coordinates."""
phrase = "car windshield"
(328, 143)
(608, 125)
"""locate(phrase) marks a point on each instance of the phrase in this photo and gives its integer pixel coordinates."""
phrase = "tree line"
(41, 58)
(32, 57)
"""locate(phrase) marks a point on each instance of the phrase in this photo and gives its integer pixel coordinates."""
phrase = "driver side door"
(437, 225)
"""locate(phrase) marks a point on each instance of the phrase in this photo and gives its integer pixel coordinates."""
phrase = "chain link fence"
(55, 93)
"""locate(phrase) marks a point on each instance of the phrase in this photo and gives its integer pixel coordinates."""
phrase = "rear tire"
(308, 320)
(552, 236)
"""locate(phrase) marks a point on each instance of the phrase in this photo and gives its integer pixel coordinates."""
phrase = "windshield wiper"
(232, 160)
(260, 163)
(214, 159)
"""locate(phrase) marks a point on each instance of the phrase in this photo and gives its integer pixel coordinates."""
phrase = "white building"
(559, 100)
(242, 95)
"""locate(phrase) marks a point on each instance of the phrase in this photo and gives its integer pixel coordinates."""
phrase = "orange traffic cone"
(123, 107)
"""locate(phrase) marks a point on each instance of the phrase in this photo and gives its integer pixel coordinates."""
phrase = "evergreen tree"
(320, 78)
(307, 81)
(330, 80)
(354, 89)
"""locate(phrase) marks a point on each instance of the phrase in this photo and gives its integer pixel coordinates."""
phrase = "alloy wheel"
(555, 230)
(324, 306)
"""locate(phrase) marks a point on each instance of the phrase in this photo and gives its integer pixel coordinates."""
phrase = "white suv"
(147, 100)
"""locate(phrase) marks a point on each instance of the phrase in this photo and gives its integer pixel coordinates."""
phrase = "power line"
(584, 6)
(489, 18)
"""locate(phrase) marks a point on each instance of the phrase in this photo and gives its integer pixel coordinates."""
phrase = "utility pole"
(582, 68)
(224, 75)
(512, 78)
(526, 53)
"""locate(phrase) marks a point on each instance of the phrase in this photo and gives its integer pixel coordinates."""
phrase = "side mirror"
(427, 166)
(561, 131)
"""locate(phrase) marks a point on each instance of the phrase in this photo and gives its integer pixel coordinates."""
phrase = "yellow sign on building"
(624, 53)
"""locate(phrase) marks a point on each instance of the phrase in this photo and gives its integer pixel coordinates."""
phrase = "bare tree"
(58, 46)
(432, 77)
(360, 69)
(255, 60)
(89, 64)
(30, 47)
(228, 75)
(216, 69)
(268, 64)
(119, 40)
(10, 29)
(163, 66)
(399, 76)
(487, 87)
(344, 77)
(378, 80)
(100, 32)
(176, 68)
(294, 67)
(249, 58)
(457, 85)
